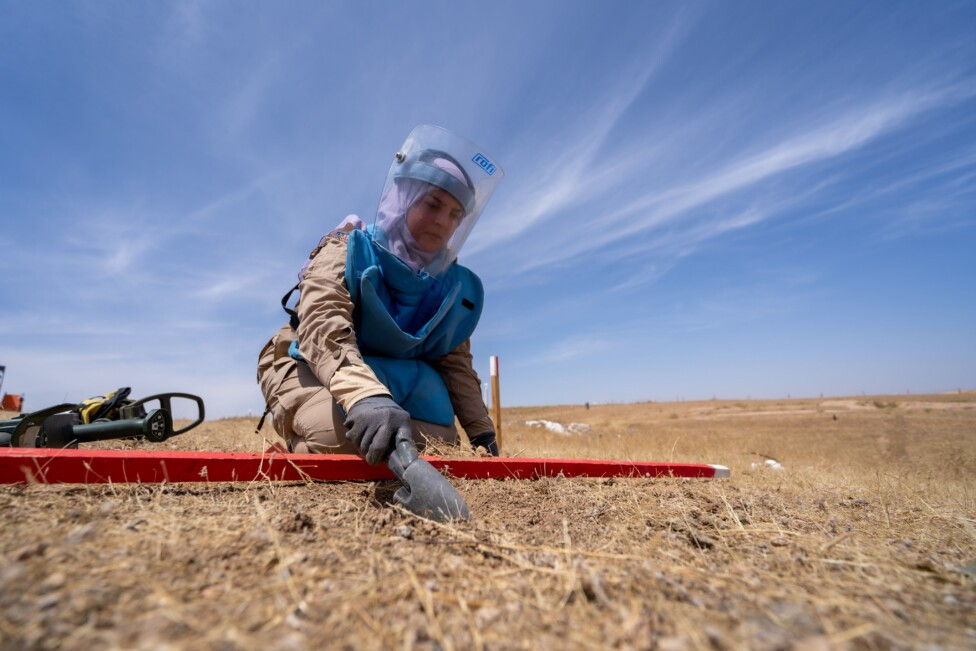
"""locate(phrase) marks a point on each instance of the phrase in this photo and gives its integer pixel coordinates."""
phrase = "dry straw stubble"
(864, 539)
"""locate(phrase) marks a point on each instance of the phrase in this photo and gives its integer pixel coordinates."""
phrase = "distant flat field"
(848, 522)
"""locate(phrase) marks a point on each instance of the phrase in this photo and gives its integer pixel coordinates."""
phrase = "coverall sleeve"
(326, 336)
(464, 387)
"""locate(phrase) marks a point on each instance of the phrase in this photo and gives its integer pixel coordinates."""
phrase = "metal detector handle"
(64, 431)
(33, 419)
(157, 426)
(131, 410)
(7, 428)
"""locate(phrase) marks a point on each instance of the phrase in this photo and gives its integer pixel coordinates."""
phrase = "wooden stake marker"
(46, 466)
(496, 401)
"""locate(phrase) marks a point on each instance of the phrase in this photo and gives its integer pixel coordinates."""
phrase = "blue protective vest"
(403, 319)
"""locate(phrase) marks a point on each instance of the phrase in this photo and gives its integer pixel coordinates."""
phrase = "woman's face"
(433, 218)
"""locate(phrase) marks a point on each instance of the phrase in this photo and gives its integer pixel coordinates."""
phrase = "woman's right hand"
(372, 425)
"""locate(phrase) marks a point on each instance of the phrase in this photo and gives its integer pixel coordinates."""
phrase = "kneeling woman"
(379, 340)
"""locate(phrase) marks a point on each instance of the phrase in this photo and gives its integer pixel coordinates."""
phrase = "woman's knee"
(318, 426)
(424, 432)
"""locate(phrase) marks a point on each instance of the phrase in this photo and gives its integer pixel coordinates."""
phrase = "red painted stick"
(23, 465)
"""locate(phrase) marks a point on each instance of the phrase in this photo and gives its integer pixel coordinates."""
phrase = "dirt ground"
(865, 537)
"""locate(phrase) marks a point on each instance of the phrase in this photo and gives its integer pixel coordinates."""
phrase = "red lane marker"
(518, 468)
(23, 465)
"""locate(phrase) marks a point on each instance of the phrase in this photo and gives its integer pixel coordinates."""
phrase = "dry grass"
(866, 539)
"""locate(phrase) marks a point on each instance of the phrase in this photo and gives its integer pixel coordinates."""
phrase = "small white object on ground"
(559, 428)
(772, 464)
(548, 424)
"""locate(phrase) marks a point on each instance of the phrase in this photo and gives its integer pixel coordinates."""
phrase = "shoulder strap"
(292, 314)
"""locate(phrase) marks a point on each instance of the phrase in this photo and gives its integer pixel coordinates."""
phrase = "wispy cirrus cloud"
(570, 347)
(161, 206)
(563, 175)
(673, 218)
(229, 284)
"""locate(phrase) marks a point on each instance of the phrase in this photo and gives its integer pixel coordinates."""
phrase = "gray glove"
(372, 424)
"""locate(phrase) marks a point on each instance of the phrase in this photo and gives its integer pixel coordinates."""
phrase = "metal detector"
(60, 426)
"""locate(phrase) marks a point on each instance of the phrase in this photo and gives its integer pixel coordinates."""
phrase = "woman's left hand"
(487, 441)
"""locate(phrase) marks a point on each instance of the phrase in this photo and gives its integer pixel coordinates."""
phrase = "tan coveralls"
(304, 398)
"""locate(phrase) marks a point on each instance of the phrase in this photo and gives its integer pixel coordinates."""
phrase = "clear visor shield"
(436, 189)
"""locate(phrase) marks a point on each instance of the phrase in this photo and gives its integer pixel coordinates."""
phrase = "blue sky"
(719, 199)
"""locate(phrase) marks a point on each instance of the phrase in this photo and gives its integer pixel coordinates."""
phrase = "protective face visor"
(437, 187)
